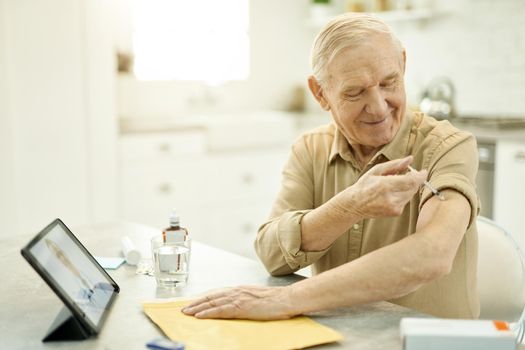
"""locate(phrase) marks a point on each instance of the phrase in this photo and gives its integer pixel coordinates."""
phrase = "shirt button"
(356, 227)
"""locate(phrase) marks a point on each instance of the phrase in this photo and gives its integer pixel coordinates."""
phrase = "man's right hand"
(384, 190)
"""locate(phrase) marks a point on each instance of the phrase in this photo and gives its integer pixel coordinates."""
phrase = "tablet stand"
(66, 327)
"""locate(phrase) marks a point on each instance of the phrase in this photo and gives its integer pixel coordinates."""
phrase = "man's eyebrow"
(391, 76)
(353, 87)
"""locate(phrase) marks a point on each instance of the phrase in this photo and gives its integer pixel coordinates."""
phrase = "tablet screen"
(72, 272)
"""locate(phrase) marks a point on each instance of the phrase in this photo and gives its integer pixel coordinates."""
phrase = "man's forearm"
(323, 225)
(384, 274)
(394, 270)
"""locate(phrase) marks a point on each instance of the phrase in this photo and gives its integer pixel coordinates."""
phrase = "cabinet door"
(222, 197)
(150, 189)
(234, 228)
(509, 193)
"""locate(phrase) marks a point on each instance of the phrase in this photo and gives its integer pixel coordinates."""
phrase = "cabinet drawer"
(205, 179)
(161, 145)
(245, 176)
(152, 184)
(235, 228)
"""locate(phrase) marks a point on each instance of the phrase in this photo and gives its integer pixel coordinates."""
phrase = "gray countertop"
(28, 306)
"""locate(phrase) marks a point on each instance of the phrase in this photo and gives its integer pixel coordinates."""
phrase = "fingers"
(205, 305)
(392, 167)
(407, 182)
(388, 195)
(207, 298)
(398, 175)
(245, 302)
(221, 304)
(226, 311)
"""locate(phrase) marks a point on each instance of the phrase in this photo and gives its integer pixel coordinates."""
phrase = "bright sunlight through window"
(204, 40)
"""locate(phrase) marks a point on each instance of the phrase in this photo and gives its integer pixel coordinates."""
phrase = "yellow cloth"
(196, 334)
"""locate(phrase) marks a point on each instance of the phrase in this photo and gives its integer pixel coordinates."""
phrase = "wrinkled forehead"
(374, 57)
(371, 44)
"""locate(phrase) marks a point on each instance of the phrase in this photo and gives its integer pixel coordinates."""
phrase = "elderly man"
(349, 204)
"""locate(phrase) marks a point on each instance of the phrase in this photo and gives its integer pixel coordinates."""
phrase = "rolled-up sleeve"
(453, 164)
(278, 242)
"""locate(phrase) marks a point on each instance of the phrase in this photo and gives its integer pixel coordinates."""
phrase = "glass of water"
(171, 261)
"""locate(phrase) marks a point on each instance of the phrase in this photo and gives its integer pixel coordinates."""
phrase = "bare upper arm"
(444, 223)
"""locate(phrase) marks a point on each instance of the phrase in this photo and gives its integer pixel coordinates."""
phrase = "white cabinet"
(509, 191)
(222, 197)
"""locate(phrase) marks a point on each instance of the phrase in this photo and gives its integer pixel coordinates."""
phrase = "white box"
(439, 334)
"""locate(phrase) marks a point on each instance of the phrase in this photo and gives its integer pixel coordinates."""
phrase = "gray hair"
(343, 31)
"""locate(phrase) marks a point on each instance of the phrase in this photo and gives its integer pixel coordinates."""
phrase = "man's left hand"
(248, 302)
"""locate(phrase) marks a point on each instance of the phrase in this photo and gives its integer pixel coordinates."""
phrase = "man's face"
(365, 91)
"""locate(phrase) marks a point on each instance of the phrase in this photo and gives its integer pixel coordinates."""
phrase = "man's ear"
(318, 93)
(404, 53)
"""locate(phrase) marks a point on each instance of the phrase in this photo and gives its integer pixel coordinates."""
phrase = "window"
(203, 40)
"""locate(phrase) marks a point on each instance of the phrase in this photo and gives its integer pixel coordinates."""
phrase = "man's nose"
(376, 103)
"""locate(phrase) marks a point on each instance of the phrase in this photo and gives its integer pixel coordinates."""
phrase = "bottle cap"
(174, 218)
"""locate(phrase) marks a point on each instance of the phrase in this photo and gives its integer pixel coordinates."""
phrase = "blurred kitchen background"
(122, 110)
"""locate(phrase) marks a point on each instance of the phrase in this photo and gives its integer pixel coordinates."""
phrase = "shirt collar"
(340, 146)
(397, 148)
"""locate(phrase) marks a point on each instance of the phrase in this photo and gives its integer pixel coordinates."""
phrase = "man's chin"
(378, 141)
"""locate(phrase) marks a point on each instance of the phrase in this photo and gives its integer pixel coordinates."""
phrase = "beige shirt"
(322, 164)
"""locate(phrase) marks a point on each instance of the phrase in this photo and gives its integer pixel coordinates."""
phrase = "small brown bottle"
(174, 232)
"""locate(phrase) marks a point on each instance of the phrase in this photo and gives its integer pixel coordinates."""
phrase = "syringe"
(430, 187)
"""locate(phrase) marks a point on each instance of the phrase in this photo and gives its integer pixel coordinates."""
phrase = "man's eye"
(354, 94)
(389, 83)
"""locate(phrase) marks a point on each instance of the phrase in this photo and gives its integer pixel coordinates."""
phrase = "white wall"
(58, 125)
(44, 80)
(100, 110)
(480, 45)
(7, 181)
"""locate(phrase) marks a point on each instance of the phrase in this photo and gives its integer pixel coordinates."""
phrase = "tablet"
(73, 274)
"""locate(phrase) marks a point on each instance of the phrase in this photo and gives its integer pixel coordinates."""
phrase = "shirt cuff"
(289, 238)
(458, 183)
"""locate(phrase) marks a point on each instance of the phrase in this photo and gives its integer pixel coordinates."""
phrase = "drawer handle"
(247, 228)
(520, 156)
(164, 147)
(165, 188)
(247, 179)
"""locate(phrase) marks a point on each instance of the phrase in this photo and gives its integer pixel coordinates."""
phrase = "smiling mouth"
(374, 122)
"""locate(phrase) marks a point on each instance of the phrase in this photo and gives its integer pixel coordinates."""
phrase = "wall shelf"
(409, 15)
(393, 16)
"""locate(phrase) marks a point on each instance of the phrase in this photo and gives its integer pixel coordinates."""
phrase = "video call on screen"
(73, 272)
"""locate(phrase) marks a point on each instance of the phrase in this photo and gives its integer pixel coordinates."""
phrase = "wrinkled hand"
(255, 303)
(384, 190)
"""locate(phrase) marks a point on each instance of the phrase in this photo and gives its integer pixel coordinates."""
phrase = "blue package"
(164, 344)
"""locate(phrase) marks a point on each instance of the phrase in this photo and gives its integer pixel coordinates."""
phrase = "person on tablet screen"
(86, 288)
(87, 292)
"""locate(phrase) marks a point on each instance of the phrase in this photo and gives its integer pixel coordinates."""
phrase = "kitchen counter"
(492, 129)
(28, 306)
(221, 131)
(278, 127)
